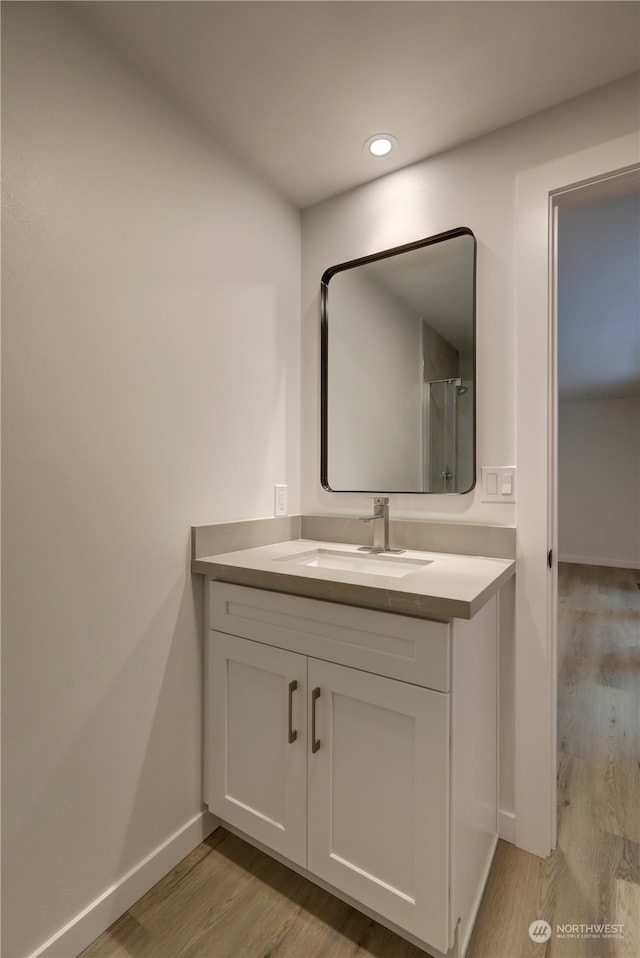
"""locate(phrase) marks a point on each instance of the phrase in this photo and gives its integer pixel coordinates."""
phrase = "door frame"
(540, 193)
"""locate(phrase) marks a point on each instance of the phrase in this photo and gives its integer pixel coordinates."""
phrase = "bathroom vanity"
(351, 694)
(351, 723)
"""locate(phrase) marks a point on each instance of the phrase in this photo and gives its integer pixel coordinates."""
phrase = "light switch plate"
(498, 483)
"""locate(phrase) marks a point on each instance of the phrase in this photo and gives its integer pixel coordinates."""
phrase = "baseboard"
(88, 924)
(507, 826)
(612, 563)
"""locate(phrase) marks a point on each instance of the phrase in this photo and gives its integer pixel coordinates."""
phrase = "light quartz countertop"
(449, 586)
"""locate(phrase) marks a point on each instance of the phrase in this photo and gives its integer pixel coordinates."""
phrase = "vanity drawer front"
(398, 646)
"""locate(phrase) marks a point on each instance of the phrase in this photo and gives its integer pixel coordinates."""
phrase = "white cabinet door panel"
(255, 777)
(379, 796)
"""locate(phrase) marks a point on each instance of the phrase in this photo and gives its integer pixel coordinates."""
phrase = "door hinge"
(550, 558)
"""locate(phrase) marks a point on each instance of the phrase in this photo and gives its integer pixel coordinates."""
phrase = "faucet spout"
(380, 518)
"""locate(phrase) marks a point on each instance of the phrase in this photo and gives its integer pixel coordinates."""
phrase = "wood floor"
(228, 900)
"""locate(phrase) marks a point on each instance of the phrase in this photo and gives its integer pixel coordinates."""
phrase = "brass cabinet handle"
(315, 742)
(292, 732)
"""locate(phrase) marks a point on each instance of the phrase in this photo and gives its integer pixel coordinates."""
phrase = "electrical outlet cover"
(280, 504)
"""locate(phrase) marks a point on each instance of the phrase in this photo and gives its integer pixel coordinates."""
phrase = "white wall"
(151, 348)
(474, 186)
(599, 482)
(599, 299)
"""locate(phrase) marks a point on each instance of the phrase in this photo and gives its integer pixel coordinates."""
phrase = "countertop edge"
(371, 597)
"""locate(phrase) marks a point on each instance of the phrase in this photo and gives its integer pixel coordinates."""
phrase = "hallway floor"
(229, 900)
(593, 877)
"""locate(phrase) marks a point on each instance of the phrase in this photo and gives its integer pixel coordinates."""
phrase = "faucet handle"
(381, 507)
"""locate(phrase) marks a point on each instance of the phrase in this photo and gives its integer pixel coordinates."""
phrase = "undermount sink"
(372, 563)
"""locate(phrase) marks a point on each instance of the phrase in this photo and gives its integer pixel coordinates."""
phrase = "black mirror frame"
(324, 358)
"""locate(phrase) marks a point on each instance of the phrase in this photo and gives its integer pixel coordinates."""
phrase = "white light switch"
(498, 484)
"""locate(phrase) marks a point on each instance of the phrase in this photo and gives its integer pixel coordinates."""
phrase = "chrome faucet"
(380, 520)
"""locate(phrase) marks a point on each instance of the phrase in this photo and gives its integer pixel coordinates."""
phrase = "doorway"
(598, 379)
(594, 474)
(541, 192)
(598, 507)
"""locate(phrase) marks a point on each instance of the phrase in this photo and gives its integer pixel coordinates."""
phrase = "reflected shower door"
(441, 409)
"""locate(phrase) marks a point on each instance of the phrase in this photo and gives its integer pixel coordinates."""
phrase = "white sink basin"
(372, 563)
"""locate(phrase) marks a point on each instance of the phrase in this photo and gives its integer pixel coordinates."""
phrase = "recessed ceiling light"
(381, 144)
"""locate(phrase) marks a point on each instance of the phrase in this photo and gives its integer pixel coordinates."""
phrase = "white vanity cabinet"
(330, 739)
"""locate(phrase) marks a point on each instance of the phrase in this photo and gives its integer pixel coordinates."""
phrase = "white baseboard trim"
(613, 563)
(507, 826)
(85, 927)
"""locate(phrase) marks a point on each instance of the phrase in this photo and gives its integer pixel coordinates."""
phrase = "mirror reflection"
(398, 369)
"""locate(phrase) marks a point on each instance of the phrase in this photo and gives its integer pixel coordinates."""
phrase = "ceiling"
(295, 88)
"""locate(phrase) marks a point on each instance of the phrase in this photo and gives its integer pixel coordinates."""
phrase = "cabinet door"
(378, 825)
(255, 775)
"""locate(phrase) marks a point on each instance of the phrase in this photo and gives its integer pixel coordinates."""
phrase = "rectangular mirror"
(398, 369)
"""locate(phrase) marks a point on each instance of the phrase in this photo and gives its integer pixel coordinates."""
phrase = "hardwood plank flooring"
(228, 900)
(593, 877)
